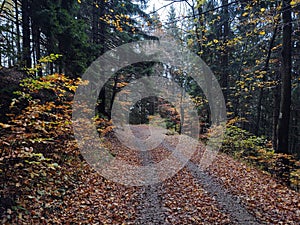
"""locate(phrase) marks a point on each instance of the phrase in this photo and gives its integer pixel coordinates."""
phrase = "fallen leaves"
(270, 201)
(188, 203)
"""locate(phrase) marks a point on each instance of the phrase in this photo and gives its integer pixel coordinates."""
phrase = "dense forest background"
(251, 46)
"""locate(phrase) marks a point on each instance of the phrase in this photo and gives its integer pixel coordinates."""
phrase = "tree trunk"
(36, 36)
(181, 110)
(224, 54)
(261, 93)
(26, 51)
(98, 37)
(2, 6)
(95, 24)
(285, 102)
(276, 109)
(199, 28)
(17, 24)
(11, 45)
(113, 95)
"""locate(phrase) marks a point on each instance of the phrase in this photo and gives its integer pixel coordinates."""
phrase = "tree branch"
(2, 6)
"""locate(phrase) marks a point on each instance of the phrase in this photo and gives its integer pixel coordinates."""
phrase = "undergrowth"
(259, 152)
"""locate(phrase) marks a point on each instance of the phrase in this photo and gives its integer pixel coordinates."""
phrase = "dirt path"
(228, 203)
(228, 192)
(152, 211)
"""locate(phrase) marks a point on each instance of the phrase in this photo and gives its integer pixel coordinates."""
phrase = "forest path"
(152, 211)
(226, 192)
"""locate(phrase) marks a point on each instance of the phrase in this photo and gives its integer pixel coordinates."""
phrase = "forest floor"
(226, 192)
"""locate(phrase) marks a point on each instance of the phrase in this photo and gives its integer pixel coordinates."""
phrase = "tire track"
(228, 203)
(149, 210)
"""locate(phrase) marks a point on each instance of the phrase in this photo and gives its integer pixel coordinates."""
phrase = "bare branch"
(2, 6)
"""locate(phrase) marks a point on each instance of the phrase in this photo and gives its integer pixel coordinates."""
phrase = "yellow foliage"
(190, 42)
(262, 32)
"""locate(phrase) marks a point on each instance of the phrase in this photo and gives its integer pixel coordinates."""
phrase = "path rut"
(228, 203)
(151, 210)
